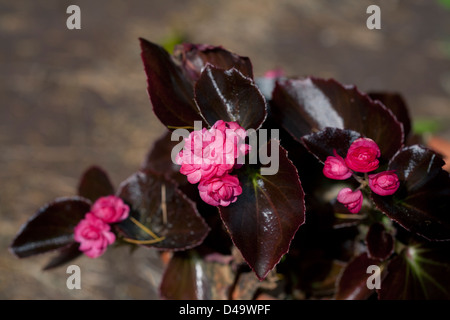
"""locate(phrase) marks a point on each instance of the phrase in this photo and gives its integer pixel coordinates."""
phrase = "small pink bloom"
(362, 155)
(94, 235)
(220, 191)
(207, 169)
(191, 171)
(196, 142)
(335, 168)
(384, 183)
(221, 150)
(192, 160)
(110, 209)
(234, 136)
(352, 200)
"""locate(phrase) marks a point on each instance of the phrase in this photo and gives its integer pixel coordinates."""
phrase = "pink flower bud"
(94, 235)
(274, 73)
(352, 200)
(335, 168)
(220, 191)
(384, 183)
(362, 155)
(110, 209)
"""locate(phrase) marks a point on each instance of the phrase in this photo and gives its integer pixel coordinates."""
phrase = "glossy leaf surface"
(51, 227)
(171, 93)
(266, 216)
(323, 143)
(64, 255)
(228, 95)
(194, 57)
(157, 204)
(303, 106)
(421, 205)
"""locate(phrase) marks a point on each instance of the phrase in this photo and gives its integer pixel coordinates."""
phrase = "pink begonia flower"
(110, 209)
(220, 191)
(335, 168)
(234, 136)
(212, 153)
(384, 183)
(352, 200)
(94, 235)
(362, 155)
(193, 163)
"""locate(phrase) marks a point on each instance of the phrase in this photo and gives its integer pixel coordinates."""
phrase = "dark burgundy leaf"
(64, 255)
(352, 284)
(266, 216)
(419, 272)
(323, 143)
(230, 96)
(159, 158)
(51, 227)
(190, 276)
(303, 106)
(171, 93)
(421, 204)
(95, 183)
(160, 206)
(194, 57)
(380, 243)
(395, 103)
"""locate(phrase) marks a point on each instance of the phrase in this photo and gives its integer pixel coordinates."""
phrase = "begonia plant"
(292, 187)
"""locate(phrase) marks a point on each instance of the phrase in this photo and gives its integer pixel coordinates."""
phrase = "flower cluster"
(362, 156)
(94, 231)
(209, 156)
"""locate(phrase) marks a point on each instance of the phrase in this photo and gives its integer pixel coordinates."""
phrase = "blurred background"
(74, 98)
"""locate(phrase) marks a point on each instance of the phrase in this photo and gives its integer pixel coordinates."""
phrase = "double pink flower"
(384, 183)
(362, 156)
(209, 156)
(94, 231)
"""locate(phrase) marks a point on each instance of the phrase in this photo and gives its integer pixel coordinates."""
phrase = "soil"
(74, 98)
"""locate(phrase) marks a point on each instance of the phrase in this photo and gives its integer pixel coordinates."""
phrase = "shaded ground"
(70, 99)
